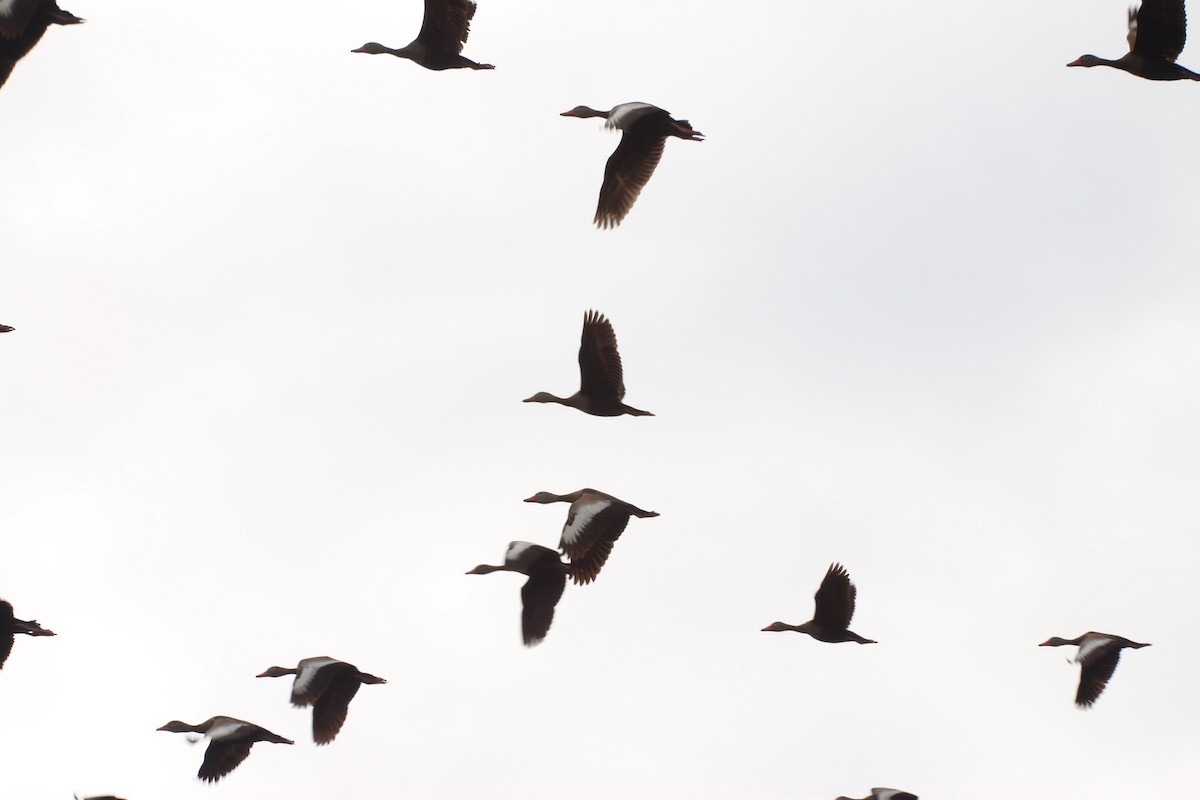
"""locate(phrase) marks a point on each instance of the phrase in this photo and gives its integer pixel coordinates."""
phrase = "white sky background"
(925, 302)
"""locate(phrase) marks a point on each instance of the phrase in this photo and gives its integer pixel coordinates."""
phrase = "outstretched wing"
(539, 596)
(1096, 668)
(600, 374)
(627, 172)
(222, 758)
(447, 24)
(835, 599)
(329, 712)
(1158, 29)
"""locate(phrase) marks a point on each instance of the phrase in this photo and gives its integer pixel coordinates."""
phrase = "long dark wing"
(835, 599)
(16, 16)
(600, 374)
(625, 175)
(6, 645)
(539, 596)
(1161, 29)
(589, 546)
(309, 692)
(1094, 674)
(447, 24)
(329, 713)
(221, 758)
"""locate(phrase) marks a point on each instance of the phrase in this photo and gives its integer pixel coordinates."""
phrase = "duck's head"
(276, 672)
(373, 48)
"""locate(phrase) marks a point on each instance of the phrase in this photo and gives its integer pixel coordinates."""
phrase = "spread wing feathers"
(600, 374)
(835, 600)
(6, 646)
(15, 15)
(625, 175)
(584, 569)
(329, 712)
(1094, 674)
(447, 24)
(312, 682)
(1158, 29)
(539, 595)
(221, 758)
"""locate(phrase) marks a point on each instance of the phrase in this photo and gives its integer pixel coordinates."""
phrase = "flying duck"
(880, 793)
(328, 685)
(547, 579)
(22, 25)
(10, 625)
(644, 131)
(99, 797)
(229, 743)
(834, 610)
(1157, 32)
(595, 521)
(1097, 658)
(439, 44)
(601, 383)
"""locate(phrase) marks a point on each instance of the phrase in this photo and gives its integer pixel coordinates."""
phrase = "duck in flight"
(10, 626)
(1097, 658)
(833, 612)
(644, 133)
(601, 380)
(541, 593)
(229, 743)
(439, 44)
(328, 685)
(595, 521)
(1157, 33)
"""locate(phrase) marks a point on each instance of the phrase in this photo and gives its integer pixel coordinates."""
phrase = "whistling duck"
(880, 793)
(229, 743)
(99, 797)
(644, 131)
(595, 521)
(1157, 32)
(1097, 658)
(6, 328)
(328, 685)
(22, 24)
(547, 579)
(601, 384)
(440, 42)
(10, 625)
(834, 610)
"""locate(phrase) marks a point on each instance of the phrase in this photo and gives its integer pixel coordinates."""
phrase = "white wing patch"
(7, 7)
(582, 513)
(625, 113)
(225, 730)
(1089, 646)
(308, 673)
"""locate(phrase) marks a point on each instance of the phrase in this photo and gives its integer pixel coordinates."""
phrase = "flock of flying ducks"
(595, 520)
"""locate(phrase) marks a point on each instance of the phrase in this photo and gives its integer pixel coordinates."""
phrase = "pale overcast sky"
(925, 302)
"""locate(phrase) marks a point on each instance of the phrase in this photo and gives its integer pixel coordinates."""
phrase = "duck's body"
(644, 133)
(834, 609)
(595, 521)
(22, 25)
(439, 45)
(601, 378)
(229, 743)
(6, 328)
(1157, 34)
(541, 593)
(10, 626)
(1097, 658)
(328, 685)
(880, 793)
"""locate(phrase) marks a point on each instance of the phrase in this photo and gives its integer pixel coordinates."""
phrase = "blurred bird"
(1157, 33)
(595, 521)
(10, 625)
(328, 685)
(884, 794)
(644, 131)
(229, 743)
(601, 380)
(1097, 658)
(439, 44)
(22, 25)
(6, 328)
(541, 593)
(834, 610)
